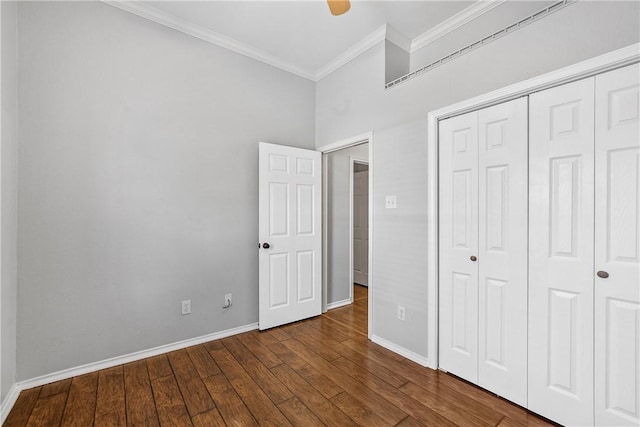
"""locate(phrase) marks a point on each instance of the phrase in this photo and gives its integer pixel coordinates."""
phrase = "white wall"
(352, 100)
(137, 181)
(8, 201)
(338, 186)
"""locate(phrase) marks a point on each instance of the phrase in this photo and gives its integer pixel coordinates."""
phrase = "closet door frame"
(600, 64)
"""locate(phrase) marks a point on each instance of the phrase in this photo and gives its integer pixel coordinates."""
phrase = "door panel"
(561, 186)
(458, 241)
(617, 242)
(502, 257)
(361, 227)
(305, 267)
(290, 222)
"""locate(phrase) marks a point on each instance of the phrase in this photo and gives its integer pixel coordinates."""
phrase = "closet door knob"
(474, 258)
(602, 274)
(265, 246)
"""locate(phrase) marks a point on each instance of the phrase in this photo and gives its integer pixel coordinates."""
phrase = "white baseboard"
(415, 357)
(15, 390)
(339, 303)
(8, 402)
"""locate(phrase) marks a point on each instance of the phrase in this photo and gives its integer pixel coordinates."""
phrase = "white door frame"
(352, 166)
(326, 149)
(609, 61)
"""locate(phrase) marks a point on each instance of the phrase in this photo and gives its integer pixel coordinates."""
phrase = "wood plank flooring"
(321, 371)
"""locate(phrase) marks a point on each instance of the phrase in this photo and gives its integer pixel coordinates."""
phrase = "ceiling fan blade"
(338, 7)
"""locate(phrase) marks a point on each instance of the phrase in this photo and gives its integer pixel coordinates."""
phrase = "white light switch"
(186, 307)
(390, 202)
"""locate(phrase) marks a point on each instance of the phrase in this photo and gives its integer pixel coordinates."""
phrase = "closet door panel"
(561, 236)
(458, 240)
(502, 256)
(617, 243)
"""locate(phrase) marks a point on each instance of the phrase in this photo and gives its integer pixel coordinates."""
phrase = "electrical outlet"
(227, 300)
(186, 307)
(391, 202)
(401, 313)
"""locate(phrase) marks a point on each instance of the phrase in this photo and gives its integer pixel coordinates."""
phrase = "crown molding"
(161, 17)
(465, 16)
(387, 32)
(354, 51)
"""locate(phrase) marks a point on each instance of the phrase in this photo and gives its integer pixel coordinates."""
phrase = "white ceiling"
(303, 34)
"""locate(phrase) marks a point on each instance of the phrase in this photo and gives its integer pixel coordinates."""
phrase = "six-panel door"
(290, 234)
(361, 227)
(561, 214)
(502, 254)
(617, 248)
(458, 236)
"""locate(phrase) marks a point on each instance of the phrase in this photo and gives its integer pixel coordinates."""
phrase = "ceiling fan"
(338, 7)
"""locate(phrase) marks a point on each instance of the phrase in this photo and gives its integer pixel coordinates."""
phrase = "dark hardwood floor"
(321, 371)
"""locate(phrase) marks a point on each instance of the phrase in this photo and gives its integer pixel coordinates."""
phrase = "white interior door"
(617, 243)
(561, 150)
(458, 243)
(361, 227)
(502, 250)
(290, 234)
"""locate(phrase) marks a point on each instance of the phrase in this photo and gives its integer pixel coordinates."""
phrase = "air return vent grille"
(484, 41)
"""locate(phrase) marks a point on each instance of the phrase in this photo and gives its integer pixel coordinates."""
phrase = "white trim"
(169, 20)
(325, 237)
(8, 402)
(608, 61)
(432, 241)
(419, 359)
(338, 304)
(353, 52)
(1, 110)
(345, 143)
(384, 32)
(352, 161)
(370, 287)
(616, 59)
(451, 24)
(397, 38)
(131, 357)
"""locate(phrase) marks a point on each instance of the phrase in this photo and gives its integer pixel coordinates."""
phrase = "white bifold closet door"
(561, 253)
(617, 248)
(584, 289)
(483, 248)
(458, 290)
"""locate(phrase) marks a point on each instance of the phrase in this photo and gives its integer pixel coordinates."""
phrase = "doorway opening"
(346, 235)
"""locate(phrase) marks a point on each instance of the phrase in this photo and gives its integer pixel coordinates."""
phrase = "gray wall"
(496, 19)
(338, 186)
(399, 249)
(396, 61)
(352, 100)
(137, 182)
(8, 200)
